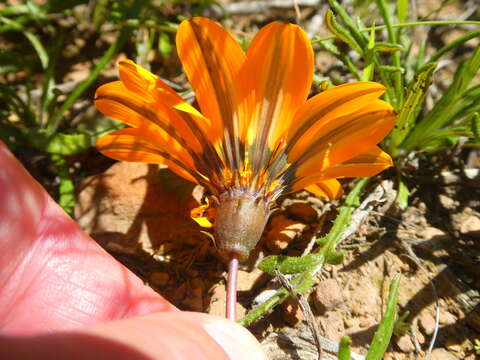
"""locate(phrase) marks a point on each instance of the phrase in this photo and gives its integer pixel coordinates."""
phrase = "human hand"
(62, 296)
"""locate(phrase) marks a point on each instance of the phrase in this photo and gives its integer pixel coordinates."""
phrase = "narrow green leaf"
(441, 114)
(455, 43)
(290, 264)
(402, 194)
(66, 196)
(402, 10)
(392, 37)
(54, 122)
(344, 352)
(387, 47)
(352, 27)
(384, 332)
(476, 126)
(369, 56)
(392, 69)
(341, 33)
(413, 105)
(165, 46)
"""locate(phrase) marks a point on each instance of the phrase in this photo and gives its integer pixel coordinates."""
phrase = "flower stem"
(232, 287)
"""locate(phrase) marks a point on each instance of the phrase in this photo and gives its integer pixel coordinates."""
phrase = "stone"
(471, 226)
(405, 344)
(446, 318)
(302, 212)
(291, 311)
(427, 322)
(248, 280)
(432, 233)
(441, 354)
(281, 232)
(327, 295)
(446, 201)
(365, 322)
(135, 204)
(218, 296)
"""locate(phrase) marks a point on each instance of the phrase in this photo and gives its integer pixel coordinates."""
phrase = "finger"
(52, 275)
(172, 336)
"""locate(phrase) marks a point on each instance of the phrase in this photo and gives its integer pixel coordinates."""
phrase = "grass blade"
(384, 332)
(411, 108)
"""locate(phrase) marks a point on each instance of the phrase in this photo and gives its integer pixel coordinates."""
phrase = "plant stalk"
(231, 302)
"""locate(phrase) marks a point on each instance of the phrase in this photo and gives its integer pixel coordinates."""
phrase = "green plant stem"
(392, 36)
(54, 122)
(329, 241)
(404, 25)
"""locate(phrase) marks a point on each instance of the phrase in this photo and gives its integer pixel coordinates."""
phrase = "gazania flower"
(255, 135)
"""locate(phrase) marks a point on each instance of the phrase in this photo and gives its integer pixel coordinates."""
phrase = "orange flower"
(257, 136)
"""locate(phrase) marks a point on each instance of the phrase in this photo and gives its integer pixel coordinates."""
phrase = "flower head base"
(257, 136)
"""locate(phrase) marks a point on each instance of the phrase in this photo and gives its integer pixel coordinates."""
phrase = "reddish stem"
(232, 287)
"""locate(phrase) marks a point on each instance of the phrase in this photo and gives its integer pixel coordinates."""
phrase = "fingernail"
(235, 340)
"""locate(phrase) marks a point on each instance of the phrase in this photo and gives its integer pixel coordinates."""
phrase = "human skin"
(62, 296)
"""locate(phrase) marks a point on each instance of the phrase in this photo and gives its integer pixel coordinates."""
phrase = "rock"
(135, 203)
(441, 354)
(365, 322)
(302, 212)
(453, 345)
(405, 344)
(217, 305)
(327, 295)
(471, 226)
(427, 322)
(291, 311)
(446, 318)
(281, 232)
(159, 278)
(432, 233)
(247, 280)
(446, 201)
(349, 323)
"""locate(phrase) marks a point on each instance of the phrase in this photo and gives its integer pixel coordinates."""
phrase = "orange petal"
(346, 137)
(212, 60)
(330, 189)
(279, 70)
(116, 101)
(139, 145)
(320, 113)
(366, 164)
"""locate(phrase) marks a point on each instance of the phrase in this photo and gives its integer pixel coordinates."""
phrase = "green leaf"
(339, 31)
(392, 69)
(369, 56)
(290, 264)
(402, 10)
(335, 257)
(441, 115)
(165, 46)
(59, 144)
(387, 47)
(344, 352)
(66, 196)
(412, 106)
(352, 27)
(476, 126)
(402, 194)
(384, 332)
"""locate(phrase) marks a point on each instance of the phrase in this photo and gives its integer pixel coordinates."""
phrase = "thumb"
(168, 335)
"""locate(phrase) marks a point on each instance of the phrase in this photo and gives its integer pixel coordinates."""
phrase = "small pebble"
(327, 295)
